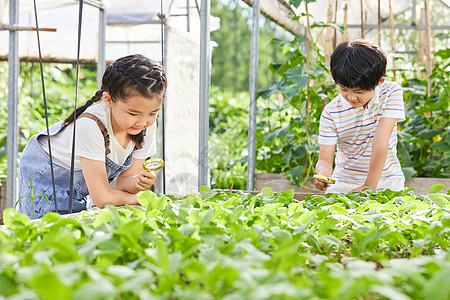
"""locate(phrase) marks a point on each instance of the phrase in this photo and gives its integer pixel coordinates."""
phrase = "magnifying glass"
(324, 179)
(153, 164)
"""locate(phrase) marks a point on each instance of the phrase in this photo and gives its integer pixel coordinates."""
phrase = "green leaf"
(206, 192)
(297, 172)
(267, 192)
(100, 289)
(332, 25)
(159, 203)
(409, 173)
(299, 152)
(438, 199)
(326, 225)
(332, 240)
(206, 219)
(298, 77)
(388, 292)
(7, 285)
(296, 3)
(437, 287)
(444, 53)
(281, 132)
(286, 196)
(270, 208)
(429, 133)
(435, 188)
(265, 94)
(49, 285)
(441, 145)
(11, 218)
(146, 198)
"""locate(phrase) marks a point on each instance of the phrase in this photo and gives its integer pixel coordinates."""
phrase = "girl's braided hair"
(128, 76)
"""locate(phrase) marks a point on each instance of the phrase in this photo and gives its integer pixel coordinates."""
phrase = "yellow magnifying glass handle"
(324, 179)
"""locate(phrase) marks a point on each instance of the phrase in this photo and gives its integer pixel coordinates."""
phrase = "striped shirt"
(352, 130)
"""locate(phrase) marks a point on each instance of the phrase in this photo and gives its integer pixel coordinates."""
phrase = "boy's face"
(356, 96)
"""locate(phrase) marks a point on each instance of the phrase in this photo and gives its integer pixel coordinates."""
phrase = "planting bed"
(380, 245)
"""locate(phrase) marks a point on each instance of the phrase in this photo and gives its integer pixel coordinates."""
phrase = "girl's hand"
(131, 199)
(145, 180)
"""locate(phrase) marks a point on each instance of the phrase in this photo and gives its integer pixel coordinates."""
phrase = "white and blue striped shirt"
(352, 130)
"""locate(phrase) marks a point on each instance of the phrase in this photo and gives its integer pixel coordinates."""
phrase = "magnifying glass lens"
(153, 164)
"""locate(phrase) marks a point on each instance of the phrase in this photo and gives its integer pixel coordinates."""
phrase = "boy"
(361, 122)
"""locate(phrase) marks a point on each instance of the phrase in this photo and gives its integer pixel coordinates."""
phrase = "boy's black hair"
(128, 76)
(358, 64)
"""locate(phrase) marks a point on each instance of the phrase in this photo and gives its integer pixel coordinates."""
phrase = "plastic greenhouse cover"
(132, 27)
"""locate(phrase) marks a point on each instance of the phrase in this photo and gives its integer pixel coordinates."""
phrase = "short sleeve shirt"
(352, 131)
(90, 142)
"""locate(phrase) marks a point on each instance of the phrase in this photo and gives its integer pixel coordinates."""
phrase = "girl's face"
(134, 115)
(356, 96)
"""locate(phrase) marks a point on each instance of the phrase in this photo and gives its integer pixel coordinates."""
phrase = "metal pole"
(204, 93)
(164, 45)
(253, 90)
(101, 60)
(188, 21)
(13, 99)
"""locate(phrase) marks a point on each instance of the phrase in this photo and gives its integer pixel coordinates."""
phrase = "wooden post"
(391, 23)
(308, 46)
(344, 36)
(335, 21)
(379, 24)
(421, 38)
(362, 19)
(328, 40)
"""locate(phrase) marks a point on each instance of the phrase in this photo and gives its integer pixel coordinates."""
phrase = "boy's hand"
(322, 185)
(324, 165)
(145, 180)
(364, 187)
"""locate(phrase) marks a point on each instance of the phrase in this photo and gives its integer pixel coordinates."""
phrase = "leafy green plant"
(376, 245)
(32, 196)
(424, 141)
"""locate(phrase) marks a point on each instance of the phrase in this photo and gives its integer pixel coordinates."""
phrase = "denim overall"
(35, 166)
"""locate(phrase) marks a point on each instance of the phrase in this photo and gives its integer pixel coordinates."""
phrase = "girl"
(113, 138)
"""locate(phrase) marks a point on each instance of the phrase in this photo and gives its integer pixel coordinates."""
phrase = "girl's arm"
(324, 165)
(135, 179)
(380, 146)
(94, 172)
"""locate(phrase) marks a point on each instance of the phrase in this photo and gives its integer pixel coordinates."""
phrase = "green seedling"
(32, 196)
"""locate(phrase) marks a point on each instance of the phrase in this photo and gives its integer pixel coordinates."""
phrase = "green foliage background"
(284, 145)
(231, 57)
(60, 93)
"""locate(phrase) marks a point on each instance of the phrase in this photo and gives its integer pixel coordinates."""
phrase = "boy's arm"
(380, 146)
(324, 164)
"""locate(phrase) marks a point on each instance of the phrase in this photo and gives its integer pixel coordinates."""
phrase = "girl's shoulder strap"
(102, 129)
